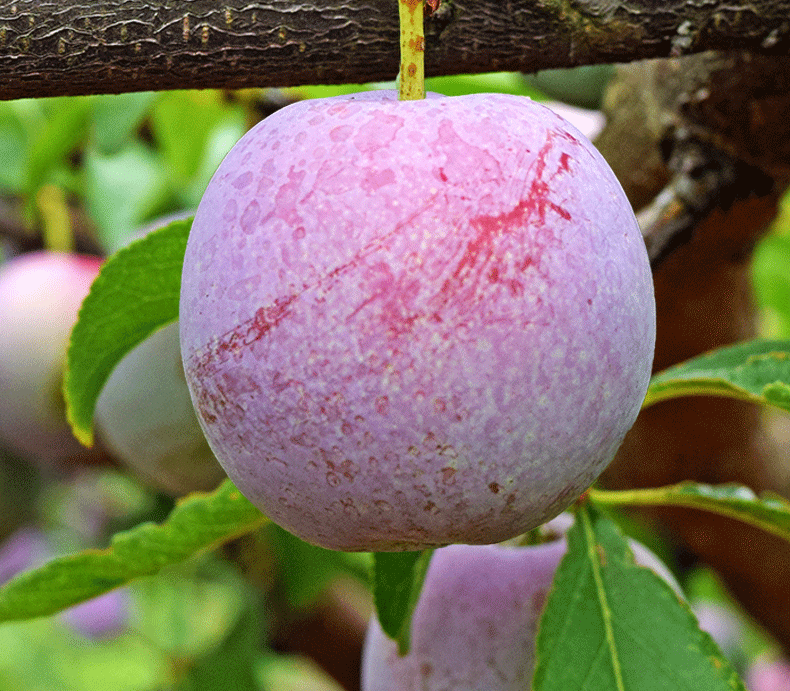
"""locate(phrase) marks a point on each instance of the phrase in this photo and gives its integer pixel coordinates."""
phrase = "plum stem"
(54, 213)
(411, 79)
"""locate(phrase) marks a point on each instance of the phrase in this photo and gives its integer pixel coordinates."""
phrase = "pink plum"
(475, 624)
(40, 295)
(411, 323)
(144, 413)
(769, 675)
(104, 616)
(145, 416)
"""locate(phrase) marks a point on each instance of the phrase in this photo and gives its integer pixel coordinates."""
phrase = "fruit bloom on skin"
(475, 624)
(412, 323)
(145, 416)
(40, 295)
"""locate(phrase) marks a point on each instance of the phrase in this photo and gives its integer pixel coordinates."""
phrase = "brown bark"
(62, 47)
(704, 300)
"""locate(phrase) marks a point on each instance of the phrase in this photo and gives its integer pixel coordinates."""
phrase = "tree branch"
(69, 47)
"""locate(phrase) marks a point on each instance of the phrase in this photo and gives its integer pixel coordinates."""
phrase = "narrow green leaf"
(199, 523)
(768, 512)
(305, 570)
(135, 293)
(610, 625)
(397, 582)
(756, 371)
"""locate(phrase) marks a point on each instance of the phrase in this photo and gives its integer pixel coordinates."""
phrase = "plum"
(144, 414)
(768, 674)
(25, 548)
(145, 417)
(104, 616)
(475, 624)
(589, 122)
(725, 627)
(40, 295)
(412, 323)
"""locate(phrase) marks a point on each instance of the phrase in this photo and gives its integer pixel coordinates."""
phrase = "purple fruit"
(769, 675)
(724, 627)
(25, 548)
(40, 294)
(145, 416)
(476, 621)
(101, 617)
(408, 324)
(144, 413)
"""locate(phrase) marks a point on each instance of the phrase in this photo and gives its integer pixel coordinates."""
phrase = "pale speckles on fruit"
(413, 287)
(243, 180)
(249, 217)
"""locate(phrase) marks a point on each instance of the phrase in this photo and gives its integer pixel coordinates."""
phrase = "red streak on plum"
(480, 250)
(472, 269)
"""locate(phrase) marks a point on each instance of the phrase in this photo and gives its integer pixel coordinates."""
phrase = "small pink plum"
(40, 295)
(407, 324)
(769, 675)
(145, 417)
(475, 624)
(725, 628)
(25, 548)
(29, 548)
(100, 617)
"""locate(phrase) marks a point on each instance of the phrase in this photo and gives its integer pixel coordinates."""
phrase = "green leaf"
(199, 523)
(13, 149)
(610, 625)
(189, 611)
(397, 582)
(135, 293)
(195, 113)
(47, 654)
(115, 118)
(768, 512)
(232, 664)
(756, 371)
(305, 570)
(122, 189)
(771, 278)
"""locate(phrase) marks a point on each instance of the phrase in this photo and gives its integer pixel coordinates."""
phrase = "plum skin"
(476, 622)
(145, 417)
(409, 324)
(769, 675)
(40, 295)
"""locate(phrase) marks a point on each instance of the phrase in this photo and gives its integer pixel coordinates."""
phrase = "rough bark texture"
(704, 300)
(60, 47)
